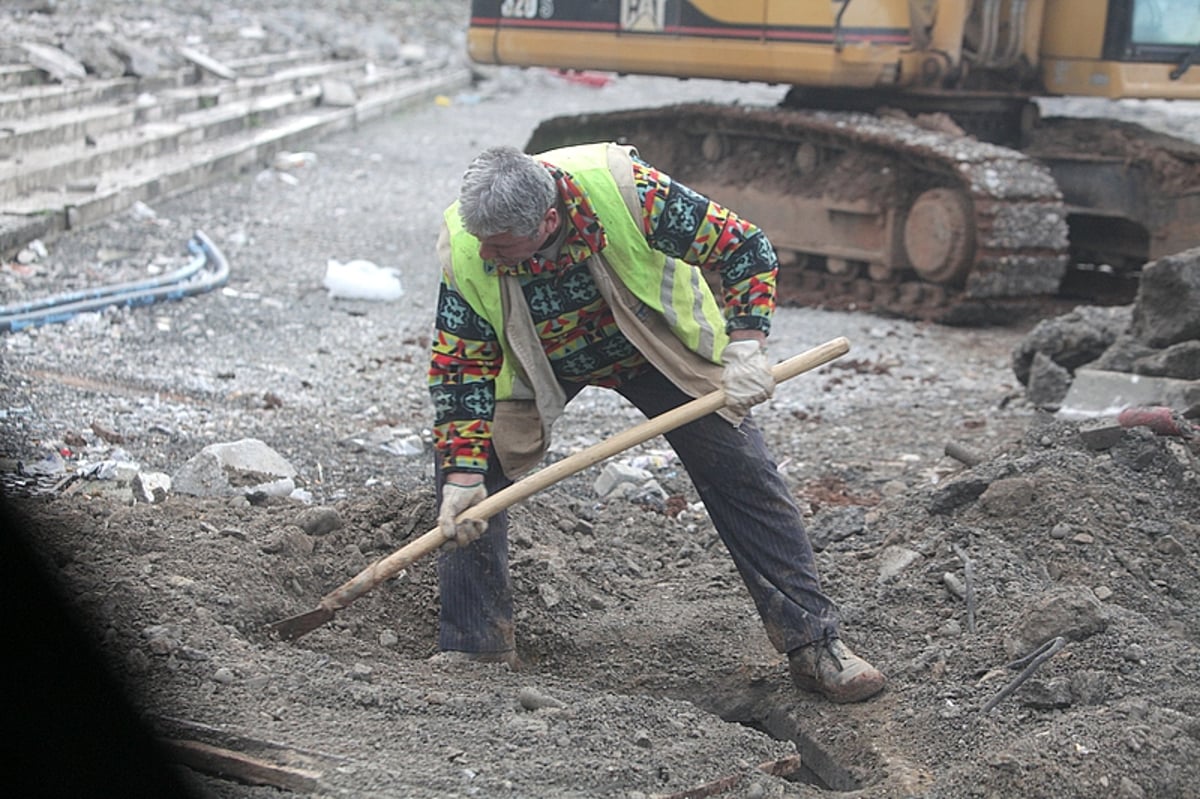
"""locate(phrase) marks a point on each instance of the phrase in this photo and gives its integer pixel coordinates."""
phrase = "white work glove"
(747, 378)
(456, 499)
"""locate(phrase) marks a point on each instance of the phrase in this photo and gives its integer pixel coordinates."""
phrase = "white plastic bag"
(361, 280)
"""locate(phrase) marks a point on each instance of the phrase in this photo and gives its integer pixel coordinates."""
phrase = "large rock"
(1047, 384)
(95, 54)
(1071, 340)
(237, 468)
(1167, 309)
(1071, 611)
(1157, 337)
(1180, 361)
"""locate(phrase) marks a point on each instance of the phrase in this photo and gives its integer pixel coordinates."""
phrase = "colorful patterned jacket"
(661, 304)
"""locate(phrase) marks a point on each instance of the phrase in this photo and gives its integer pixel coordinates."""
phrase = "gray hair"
(505, 191)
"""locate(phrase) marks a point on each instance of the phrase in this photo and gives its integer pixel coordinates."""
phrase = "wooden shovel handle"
(402, 558)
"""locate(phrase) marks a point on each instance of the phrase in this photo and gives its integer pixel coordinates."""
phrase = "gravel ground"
(648, 673)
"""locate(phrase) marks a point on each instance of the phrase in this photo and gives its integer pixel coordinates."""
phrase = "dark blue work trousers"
(746, 498)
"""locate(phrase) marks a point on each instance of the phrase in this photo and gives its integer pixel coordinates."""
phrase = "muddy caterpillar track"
(874, 212)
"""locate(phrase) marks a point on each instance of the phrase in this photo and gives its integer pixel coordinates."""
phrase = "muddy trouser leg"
(754, 514)
(476, 593)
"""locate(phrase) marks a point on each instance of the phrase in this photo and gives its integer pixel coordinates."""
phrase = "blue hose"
(207, 270)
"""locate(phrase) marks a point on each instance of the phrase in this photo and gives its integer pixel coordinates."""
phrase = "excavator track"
(871, 212)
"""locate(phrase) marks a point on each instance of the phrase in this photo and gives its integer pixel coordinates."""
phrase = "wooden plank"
(174, 727)
(228, 764)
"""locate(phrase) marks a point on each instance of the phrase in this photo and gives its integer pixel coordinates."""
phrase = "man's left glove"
(456, 499)
(747, 378)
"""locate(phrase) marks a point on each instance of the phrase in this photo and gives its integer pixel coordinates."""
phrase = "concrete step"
(69, 147)
(34, 98)
(14, 76)
(72, 154)
(59, 188)
(76, 124)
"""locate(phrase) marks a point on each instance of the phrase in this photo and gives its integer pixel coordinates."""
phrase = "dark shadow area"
(72, 730)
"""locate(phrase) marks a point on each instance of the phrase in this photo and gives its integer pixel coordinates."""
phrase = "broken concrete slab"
(1096, 392)
(236, 468)
(1072, 340)
(208, 64)
(1167, 310)
(1100, 436)
(54, 62)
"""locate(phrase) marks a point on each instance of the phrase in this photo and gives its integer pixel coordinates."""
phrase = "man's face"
(509, 250)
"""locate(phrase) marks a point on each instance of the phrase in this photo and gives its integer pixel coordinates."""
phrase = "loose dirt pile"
(648, 672)
(635, 625)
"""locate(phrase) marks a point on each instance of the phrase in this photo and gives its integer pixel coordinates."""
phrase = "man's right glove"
(747, 378)
(456, 499)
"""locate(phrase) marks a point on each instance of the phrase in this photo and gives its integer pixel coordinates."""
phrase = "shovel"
(292, 628)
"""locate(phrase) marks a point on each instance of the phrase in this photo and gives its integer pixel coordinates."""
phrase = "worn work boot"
(829, 668)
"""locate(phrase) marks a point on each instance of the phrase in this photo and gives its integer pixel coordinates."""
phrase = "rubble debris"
(1102, 393)
(208, 64)
(968, 587)
(1158, 336)
(1070, 611)
(1099, 437)
(54, 62)
(964, 454)
(1034, 660)
(1167, 308)
(236, 468)
(1072, 340)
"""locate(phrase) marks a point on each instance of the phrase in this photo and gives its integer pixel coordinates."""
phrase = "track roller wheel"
(939, 236)
(912, 294)
(712, 147)
(806, 157)
(843, 267)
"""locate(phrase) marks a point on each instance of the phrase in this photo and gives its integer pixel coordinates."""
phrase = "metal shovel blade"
(293, 627)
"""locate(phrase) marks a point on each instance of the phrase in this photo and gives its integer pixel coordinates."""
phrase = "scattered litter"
(32, 253)
(142, 211)
(286, 161)
(657, 459)
(361, 280)
(584, 77)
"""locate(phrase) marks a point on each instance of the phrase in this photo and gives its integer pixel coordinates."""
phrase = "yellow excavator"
(908, 169)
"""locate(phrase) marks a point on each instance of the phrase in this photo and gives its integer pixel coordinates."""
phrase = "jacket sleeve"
(465, 358)
(687, 225)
